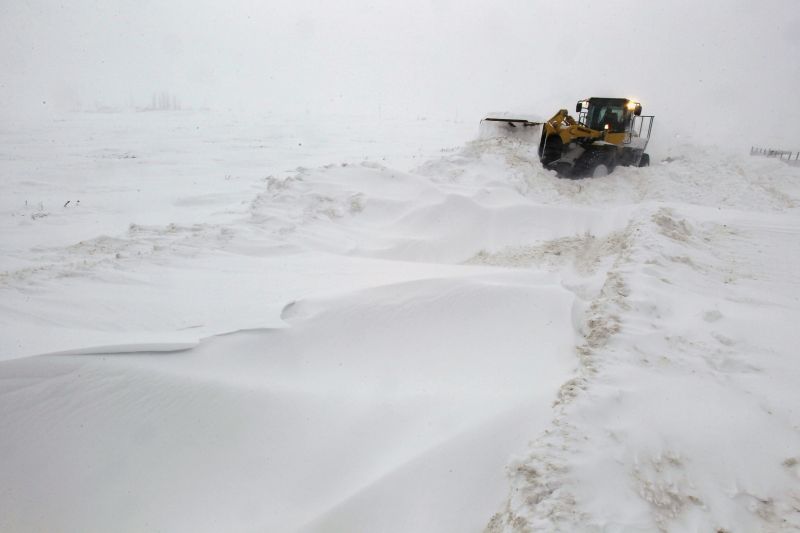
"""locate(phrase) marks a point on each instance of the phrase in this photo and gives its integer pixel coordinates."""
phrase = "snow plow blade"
(502, 125)
(513, 122)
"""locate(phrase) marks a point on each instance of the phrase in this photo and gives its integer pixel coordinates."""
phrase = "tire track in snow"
(597, 466)
(540, 496)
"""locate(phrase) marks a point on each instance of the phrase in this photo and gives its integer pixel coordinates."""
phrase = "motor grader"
(608, 132)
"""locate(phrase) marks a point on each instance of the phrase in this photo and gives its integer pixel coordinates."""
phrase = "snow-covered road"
(356, 330)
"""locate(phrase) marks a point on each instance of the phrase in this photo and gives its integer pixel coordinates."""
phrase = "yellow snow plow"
(608, 132)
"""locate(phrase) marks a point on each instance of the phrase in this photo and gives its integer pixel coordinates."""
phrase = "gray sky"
(721, 69)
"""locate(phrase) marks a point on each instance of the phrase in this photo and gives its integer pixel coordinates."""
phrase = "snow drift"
(381, 341)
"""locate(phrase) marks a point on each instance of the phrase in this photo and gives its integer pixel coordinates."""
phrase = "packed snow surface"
(342, 324)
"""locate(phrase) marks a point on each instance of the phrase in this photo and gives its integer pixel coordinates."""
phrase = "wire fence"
(783, 155)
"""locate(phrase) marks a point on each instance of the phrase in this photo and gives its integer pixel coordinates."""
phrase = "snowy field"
(339, 324)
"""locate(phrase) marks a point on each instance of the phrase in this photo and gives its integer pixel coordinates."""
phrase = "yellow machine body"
(608, 132)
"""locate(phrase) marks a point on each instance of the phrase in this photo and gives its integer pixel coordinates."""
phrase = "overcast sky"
(720, 65)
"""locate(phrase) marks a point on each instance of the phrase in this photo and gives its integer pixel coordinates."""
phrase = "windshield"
(607, 113)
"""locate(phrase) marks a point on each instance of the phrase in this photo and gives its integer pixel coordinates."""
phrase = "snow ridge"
(624, 451)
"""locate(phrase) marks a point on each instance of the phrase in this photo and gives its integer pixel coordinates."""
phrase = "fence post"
(772, 152)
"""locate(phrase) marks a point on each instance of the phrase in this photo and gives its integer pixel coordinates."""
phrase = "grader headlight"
(636, 107)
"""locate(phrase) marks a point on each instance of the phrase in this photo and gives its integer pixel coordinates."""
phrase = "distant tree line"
(164, 101)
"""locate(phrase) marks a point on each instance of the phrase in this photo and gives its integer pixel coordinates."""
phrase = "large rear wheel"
(645, 160)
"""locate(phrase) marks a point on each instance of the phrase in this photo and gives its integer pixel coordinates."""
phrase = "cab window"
(609, 114)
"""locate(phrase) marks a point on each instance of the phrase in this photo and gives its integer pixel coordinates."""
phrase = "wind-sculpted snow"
(462, 344)
(683, 413)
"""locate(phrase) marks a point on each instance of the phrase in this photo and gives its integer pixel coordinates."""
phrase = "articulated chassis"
(574, 150)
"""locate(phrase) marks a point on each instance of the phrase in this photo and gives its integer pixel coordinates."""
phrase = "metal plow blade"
(505, 125)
